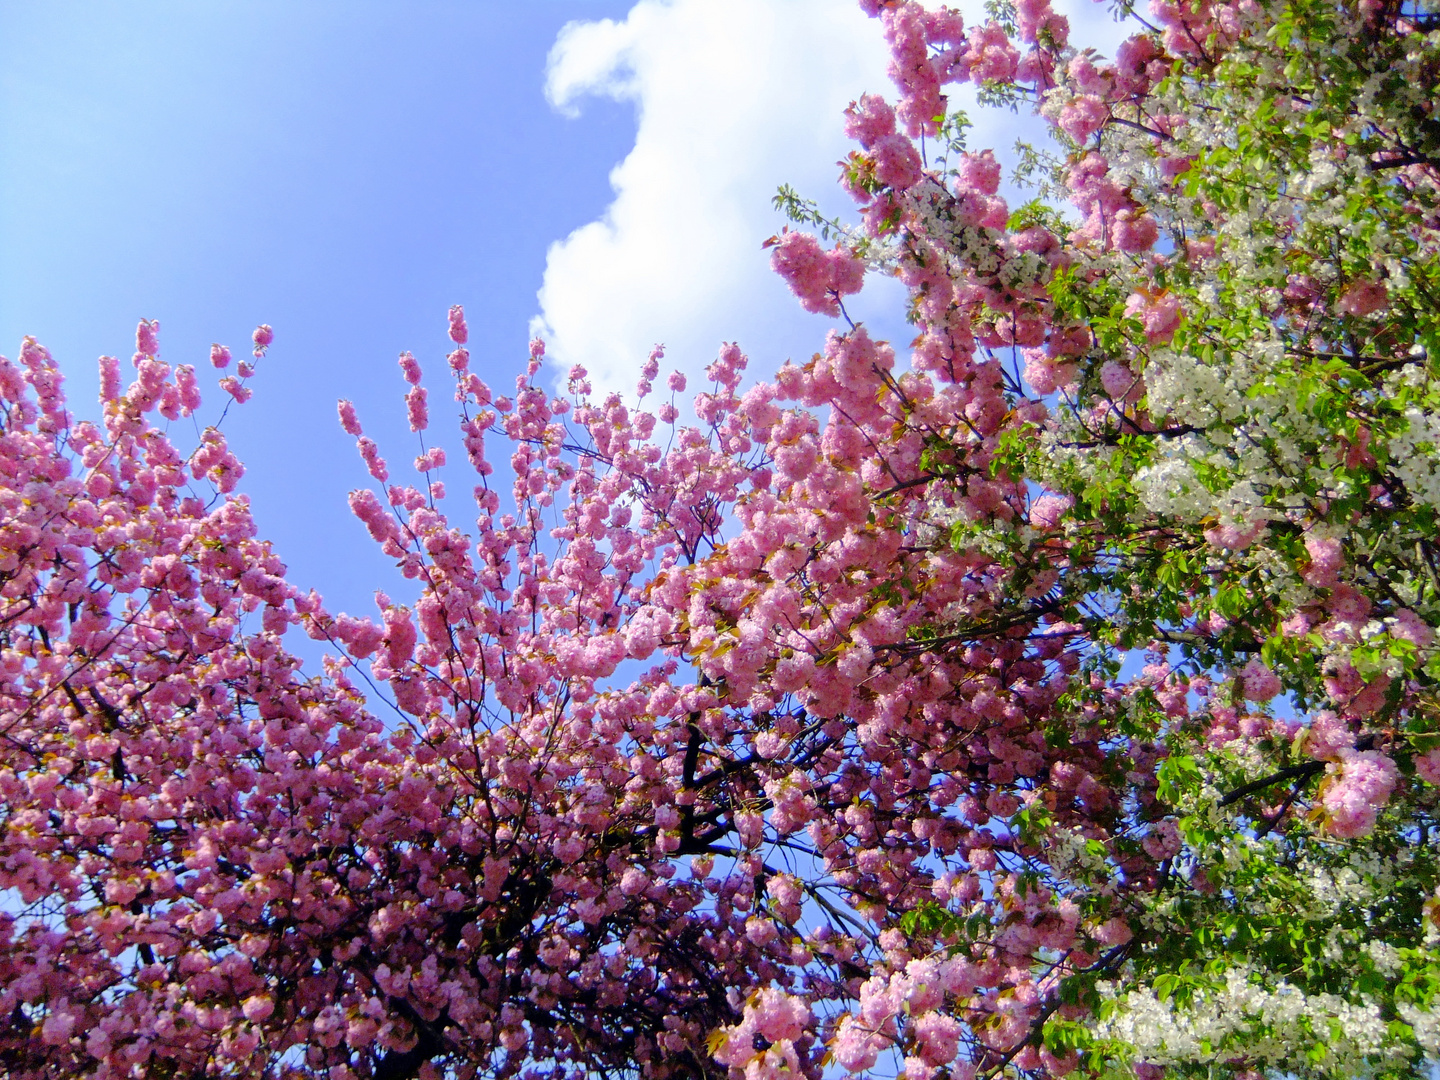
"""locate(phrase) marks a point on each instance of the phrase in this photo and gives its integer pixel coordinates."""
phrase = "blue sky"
(599, 170)
(343, 172)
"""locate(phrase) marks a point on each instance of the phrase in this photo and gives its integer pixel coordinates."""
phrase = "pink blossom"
(1235, 536)
(1348, 604)
(1115, 931)
(1171, 166)
(236, 389)
(1363, 298)
(647, 630)
(416, 409)
(1427, 766)
(257, 1008)
(1300, 289)
(978, 172)
(1328, 736)
(816, 276)
(855, 1049)
(370, 454)
(109, 378)
(1135, 232)
(1159, 315)
(219, 355)
(897, 163)
(945, 27)
(937, 1037)
(1370, 698)
(147, 337)
(1410, 627)
(1060, 1065)
(779, 1062)
(818, 630)
(187, 389)
(1082, 116)
(869, 120)
(1327, 558)
(1047, 511)
(779, 1016)
(1035, 17)
(1353, 799)
(459, 332)
(634, 881)
(1163, 841)
(1116, 379)
(1132, 63)
(348, 420)
(1087, 77)
(911, 69)
(57, 1028)
(1039, 372)
(992, 57)
(1260, 683)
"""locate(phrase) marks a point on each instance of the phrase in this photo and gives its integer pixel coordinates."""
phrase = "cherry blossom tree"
(217, 865)
(1058, 698)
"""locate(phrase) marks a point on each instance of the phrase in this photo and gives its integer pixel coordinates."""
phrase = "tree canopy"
(1061, 698)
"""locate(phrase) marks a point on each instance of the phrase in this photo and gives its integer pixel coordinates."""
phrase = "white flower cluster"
(1357, 883)
(1275, 1027)
(1021, 270)
(1069, 856)
(1416, 456)
(1385, 957)
(1189, 391)
(1170, 487)
(933, 209)
(1425, 1024)
(970, 247)
(1322, 175)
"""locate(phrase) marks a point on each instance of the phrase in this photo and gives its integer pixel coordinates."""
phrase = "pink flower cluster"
(818, 277)
(1354, 797)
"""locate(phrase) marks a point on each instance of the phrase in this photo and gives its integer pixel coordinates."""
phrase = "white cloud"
(733, 98)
